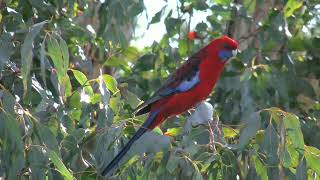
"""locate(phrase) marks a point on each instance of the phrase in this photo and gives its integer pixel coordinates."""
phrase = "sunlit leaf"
(312, 156)
(82, 79)
(291, 7)
(111, 83)
(260, 168)
(223, 2)
(230, 132)
(173, 131)
(292, 125)
(59, 54)
(56, 53)
(65, 88)
(59, 164)
(183, 47)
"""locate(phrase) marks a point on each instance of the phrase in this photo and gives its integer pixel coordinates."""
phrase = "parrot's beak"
(234, 52)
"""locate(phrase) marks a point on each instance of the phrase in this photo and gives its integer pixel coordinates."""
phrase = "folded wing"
(183, 79)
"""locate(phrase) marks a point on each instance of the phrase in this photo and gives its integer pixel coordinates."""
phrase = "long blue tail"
(126, 148)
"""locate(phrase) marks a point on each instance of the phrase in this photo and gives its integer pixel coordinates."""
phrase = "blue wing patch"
(183, 86)
(188, 84)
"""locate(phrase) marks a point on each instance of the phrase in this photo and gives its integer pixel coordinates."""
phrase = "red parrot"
(187, 86)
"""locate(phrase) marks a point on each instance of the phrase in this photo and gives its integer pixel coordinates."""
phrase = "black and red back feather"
(185, 72)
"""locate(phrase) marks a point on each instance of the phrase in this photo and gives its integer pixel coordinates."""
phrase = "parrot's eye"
(226, 46)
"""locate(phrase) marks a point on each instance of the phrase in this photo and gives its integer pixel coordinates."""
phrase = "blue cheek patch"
(225, 54)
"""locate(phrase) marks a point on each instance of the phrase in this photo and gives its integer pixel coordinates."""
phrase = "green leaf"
(136, 8)
(200, 5)
(246, 75)
(312, 156)
(131, 98)
(42, 61)
(6, 49)
(230, 132)
(270, 148)
(250, 5)
(106, 147)
(38, 162)
(117, 62)
(301, 172)
(172, 163)
(12, 147)
(157, 17)
(157, 130)
(58, 52)
(291, 7)
(294, 155)
(173, 131)
(201, 27)
(207, 158)
(131, 53)
(27, 54)
(111, 83)
(197, 175)
(8, 102)
(80, 77)
(252, 125)
(223, 2)
(260, 168)
(183, 47)
(59, 164)
(65, 88)
(228, 160)
(75, 100)
(48, 138)
(286, 159)
(293, 130)
(172, 24)
(83, 81)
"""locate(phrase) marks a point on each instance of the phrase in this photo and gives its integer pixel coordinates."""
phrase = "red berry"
(192, 35)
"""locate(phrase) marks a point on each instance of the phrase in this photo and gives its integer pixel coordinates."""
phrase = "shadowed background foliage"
(70, 79)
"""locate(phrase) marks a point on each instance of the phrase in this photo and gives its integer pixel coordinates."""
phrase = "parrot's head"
(224, 48)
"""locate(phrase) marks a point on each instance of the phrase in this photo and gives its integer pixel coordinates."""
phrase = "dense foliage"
(69, 81)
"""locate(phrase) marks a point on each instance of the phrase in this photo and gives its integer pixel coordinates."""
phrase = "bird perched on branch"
(187, 86)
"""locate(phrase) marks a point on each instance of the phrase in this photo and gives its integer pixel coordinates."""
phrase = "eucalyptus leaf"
(59, 164)
(27, 54)
(292, 125)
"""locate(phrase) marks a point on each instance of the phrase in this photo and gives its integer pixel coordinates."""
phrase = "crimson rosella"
(186, 87)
